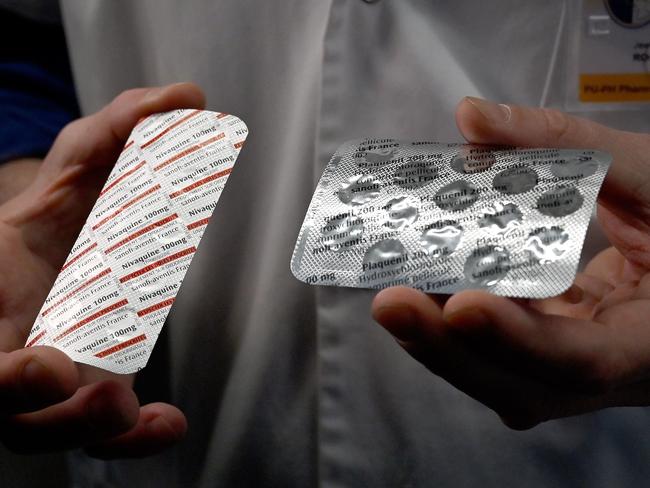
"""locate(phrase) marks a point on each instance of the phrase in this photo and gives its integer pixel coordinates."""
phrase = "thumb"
(484, 122)
(97, 140)
(50, 212)
(624, 211)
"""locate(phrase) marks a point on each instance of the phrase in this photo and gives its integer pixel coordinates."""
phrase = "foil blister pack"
(449, 217)
(115, 290)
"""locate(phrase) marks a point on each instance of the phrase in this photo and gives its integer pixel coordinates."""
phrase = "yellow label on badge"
(607, 88)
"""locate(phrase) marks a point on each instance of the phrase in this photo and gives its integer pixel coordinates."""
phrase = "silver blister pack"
(448, 217)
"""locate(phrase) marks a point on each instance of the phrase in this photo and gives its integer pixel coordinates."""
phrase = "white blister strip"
(112, 295)
(449, 217)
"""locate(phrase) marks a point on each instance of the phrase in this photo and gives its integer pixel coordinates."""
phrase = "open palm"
(47, 402)
(534, 360)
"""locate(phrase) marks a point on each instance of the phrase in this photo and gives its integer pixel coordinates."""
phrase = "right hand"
(47, 402)
(535, 360)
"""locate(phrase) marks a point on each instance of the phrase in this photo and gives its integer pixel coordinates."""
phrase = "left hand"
(47, 402)
(535, 360)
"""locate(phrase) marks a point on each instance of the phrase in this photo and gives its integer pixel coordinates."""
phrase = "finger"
(608, 266)
(17, 175)
(624, 202)
(415, 320)
(95, 412)
(592, 356)
(578, 301)
(159, 427)
(69, 182)
(485, 122)
(92, 374)
(397, 309)
(99, 138)
(521, 401)
(611, 267)
(35, 378)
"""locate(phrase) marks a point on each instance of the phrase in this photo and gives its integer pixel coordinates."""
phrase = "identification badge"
(610, 55)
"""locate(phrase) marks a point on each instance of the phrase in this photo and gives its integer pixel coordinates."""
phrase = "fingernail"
(161, 424)
(574, 294)
(153, 94)
(36, 376)
(104, 417)
(399, 320)
(467, 318)
(33, 371)
(493, 112)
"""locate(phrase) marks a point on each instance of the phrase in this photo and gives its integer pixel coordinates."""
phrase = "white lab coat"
(290, 385)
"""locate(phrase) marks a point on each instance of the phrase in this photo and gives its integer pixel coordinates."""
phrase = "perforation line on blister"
(408, 199)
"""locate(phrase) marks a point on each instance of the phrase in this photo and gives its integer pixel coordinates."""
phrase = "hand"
(47, 402)
(588, 349)
(16, 176)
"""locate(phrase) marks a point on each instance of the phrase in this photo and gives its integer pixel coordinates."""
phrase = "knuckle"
(125, 95)
(515, 422)
(558, 126)
(72, 135)
(10, 377)
(72, 130)
(522, 418)
(517, 413)
(530, 409)
(598, 374)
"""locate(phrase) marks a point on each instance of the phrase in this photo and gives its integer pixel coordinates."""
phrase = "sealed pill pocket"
(449, 217)
(112, 295)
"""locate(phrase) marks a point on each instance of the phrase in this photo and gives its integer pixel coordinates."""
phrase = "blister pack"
(448, 217)
(112, 295)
